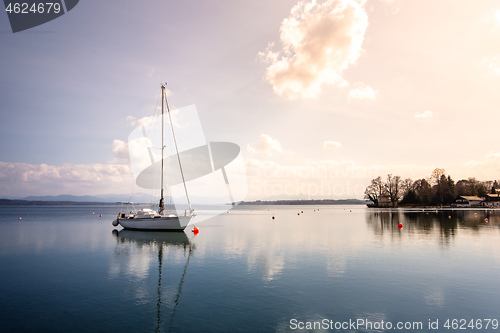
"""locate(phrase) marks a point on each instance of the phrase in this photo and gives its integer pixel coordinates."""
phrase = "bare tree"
(488, 184)
(436, 175)
(423, 191)
(470, 186)
(475, 187)
(393, 187)
(374, 190)
(406, 186)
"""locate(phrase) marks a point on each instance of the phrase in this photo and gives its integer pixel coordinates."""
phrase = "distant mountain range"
(104, 198)
(19, 202)
(64, 197)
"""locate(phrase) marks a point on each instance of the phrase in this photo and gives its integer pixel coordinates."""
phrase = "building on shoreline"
(385, 201)
(468, 201)
(492, 200)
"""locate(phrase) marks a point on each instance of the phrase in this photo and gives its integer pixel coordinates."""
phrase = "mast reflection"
(159, 241)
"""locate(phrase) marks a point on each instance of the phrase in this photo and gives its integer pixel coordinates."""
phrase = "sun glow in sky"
(322, 96)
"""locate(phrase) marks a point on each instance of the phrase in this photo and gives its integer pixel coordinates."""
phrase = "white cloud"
(320, 41)
(120, 150)
(492, 63)
(487, 168)
(426, 114)
(22, 179)
(265, 146)
(156, 119)
(363, 91)
(331, 144)
(134, 122)
(392, 7)
(311, 179)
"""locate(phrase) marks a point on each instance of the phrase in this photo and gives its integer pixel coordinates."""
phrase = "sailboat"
(148, 219)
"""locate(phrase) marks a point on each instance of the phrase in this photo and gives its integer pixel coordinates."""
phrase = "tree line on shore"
(438, 189)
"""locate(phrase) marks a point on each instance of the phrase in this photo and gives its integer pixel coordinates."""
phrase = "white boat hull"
(178, 223)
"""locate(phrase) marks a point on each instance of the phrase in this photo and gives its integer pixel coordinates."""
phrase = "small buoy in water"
(302, 212)
(298, 213)
(350, 211)
(486, 220)
(400, 225)
(100, 215)
(475, 214)
(92, 213)
(273, 217)
(449, 216)
(19, 218)
(196, 230)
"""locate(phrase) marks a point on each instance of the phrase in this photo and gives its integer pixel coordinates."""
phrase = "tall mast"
(162, 203)
(178, 156)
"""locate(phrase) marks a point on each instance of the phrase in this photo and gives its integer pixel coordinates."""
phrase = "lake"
(330, 268)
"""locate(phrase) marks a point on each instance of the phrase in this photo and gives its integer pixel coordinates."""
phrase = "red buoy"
(486, 220)
(196, 230)
(400, 226)
(18, 218)
(100, 215)
(302, 211)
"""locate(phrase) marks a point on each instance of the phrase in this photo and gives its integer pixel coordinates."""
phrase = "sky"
(321, 96)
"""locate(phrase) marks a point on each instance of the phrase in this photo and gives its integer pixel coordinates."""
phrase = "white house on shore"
(468, 201)
(492, 200)
(385, 201)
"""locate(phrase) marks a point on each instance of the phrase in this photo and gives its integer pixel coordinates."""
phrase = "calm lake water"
(64, 269)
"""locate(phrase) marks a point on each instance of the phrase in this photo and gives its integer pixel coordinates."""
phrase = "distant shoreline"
(20, 202)
(307, 202)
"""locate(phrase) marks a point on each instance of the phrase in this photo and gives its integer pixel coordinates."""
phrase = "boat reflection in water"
(160, 242)
(152, 237)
